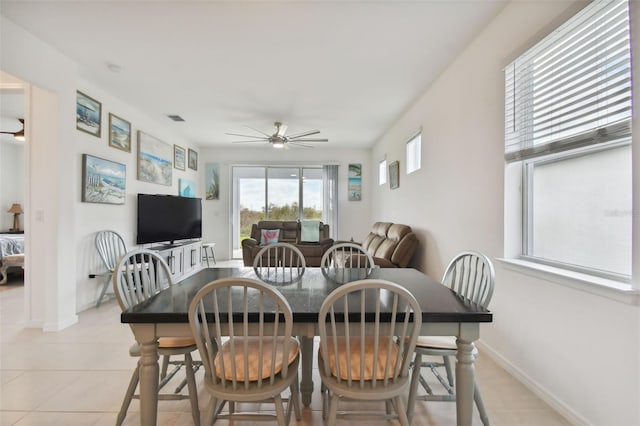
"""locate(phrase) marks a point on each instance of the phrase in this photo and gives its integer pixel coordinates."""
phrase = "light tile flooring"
(78, 376)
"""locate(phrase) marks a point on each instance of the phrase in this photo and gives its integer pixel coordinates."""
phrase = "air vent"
(175, 117)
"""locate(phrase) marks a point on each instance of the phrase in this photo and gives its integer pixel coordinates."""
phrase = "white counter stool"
(207, 250)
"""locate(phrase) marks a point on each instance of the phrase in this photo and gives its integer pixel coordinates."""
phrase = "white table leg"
(149, 373)
(465, 379)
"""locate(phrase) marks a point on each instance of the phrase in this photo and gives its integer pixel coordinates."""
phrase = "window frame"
(417, 158)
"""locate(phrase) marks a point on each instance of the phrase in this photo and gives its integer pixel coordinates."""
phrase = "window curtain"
(330, 194)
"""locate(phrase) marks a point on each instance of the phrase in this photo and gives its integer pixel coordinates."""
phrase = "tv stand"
(183, 258)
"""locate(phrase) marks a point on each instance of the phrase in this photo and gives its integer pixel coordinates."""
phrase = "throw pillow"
(269, 236)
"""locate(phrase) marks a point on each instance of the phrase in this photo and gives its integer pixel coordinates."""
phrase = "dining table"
(444, 313)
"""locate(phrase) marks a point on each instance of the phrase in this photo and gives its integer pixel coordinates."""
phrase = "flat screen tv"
(168, 218)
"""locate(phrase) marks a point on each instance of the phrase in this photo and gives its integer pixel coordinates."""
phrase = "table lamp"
(16, 209)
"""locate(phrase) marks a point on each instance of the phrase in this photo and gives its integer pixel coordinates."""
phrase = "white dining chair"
(111, 248)
(345, 262)
(242, 328)
(141, 274)
(471, 276)
(279, 263)
(367, 360)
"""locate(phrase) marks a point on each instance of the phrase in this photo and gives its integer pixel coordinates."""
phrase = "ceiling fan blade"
(247, 136)
(300, 144)
(309, 140)
(303, 134)
(9, 133)
(259, 131)
(261, 141)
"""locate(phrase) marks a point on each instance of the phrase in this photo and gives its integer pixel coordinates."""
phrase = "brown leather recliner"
(290, 232)
(391, 244)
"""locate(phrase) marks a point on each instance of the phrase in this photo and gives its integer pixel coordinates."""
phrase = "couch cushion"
(396, 231)
(269, 236)
(385, 249)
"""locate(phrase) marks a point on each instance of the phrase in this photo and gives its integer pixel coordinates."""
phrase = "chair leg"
(193, 390)
(480, 404)
(104, 290)
(447, 367)
(128, 396)
(295, 398)
(165, 366)
(211, 413)
(333, 409)
(400, 409)
(282, 419)
(413, 387)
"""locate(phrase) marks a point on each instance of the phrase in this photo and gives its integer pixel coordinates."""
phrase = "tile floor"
(78, 376)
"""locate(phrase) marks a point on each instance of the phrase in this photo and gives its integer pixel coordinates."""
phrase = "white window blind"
(573, 88)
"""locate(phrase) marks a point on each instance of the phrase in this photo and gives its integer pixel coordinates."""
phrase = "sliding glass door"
(274, 193)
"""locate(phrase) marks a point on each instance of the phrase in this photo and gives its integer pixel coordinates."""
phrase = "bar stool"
(206, 247)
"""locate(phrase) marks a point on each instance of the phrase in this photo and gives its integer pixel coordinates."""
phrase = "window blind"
(573, 88)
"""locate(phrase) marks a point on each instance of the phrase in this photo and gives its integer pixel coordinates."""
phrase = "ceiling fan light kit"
(279, 139)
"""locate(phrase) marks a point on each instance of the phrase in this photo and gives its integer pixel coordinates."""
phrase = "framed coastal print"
(193, 159)
(186, 188)
(394, 175)
(355, 182)
(103, 181)
(154, 160)
(88, 114)
(178, 157)
(211, 178)
(119, 133)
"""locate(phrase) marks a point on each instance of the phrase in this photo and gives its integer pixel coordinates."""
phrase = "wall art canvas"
(212, 181)
(186, 188)
(193, 159)
(88, 114)
(155, 160)
(103, 181)
(179, 155)
(394, 175)
(119, 133)
(355, 182)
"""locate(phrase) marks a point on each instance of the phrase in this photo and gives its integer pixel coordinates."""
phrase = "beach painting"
(355, 182)
(155, 160)
(119, 133)
(88, 114)
(186, 188)
(103, 181)
(212, 180)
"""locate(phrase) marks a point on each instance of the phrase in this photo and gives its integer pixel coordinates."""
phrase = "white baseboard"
(540, 391)
(57, 326)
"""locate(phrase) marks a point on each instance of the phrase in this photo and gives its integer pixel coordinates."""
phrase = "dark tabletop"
(438, 303)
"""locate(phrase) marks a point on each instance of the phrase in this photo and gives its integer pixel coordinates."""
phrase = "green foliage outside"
(286, 212)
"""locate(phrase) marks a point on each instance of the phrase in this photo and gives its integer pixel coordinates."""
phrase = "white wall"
(578, 350)
(121, 218)
(354, 217)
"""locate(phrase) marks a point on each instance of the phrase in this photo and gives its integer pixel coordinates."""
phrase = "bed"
(11, 253)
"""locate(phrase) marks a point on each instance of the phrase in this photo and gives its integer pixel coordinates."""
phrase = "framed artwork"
(193, 159)
(179, 155)
(88, 114)
(119, 133)
(212, 182)
(154, 160)
(355, 182)
(186, 188)
(394, 175)
(103, 181)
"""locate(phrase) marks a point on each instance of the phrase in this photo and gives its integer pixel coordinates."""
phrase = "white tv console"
(183, 258)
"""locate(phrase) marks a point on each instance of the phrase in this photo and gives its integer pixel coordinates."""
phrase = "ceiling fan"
(279, 139)
(19, 135)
